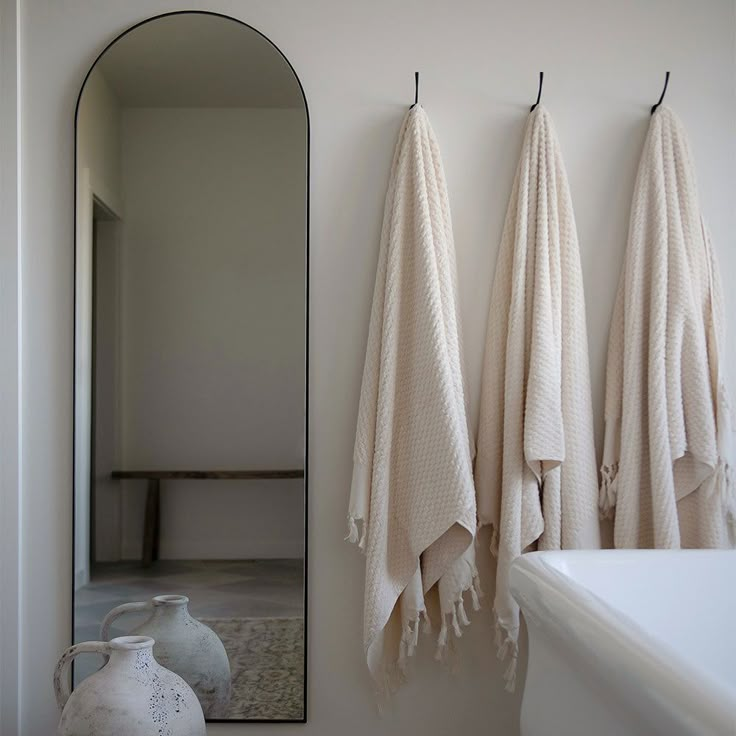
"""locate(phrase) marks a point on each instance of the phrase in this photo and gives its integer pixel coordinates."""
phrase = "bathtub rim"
(639, 671)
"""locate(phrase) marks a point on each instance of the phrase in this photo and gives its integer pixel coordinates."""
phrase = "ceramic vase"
(185, 646)
(132, 694)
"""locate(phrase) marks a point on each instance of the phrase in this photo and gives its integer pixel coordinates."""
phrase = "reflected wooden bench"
(152, 518)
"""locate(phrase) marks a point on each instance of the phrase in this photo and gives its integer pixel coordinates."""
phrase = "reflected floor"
(215, 588)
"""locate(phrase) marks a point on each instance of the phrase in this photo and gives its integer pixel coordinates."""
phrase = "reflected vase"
(132, 694)
(185, 646)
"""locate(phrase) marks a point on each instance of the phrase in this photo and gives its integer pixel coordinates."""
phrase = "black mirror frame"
(306, 333)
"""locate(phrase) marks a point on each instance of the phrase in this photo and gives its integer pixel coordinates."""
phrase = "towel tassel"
(507, 645)
(494, 542)
(476, 592)
(441, 641)
(455, 624)
(510, 674)
(402, 654)
(414, 638)
(352, 536)
(476, 598)
(497, 640)
(427, 622)
(461, 612)
(608, 491)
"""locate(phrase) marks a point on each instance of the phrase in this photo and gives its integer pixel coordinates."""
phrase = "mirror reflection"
(190, 353)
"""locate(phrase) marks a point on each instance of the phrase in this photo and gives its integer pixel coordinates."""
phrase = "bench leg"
(151, 522)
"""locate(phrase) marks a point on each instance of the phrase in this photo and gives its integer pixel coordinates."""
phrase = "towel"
(536, 470)
(668, 453)
(412, 485)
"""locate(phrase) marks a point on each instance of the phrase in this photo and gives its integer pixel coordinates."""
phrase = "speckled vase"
(132, 694)
(185, 646)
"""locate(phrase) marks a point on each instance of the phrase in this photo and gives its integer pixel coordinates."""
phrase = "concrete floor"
(215, 588)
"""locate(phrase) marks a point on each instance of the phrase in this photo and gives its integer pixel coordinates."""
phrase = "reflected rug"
(267, 666)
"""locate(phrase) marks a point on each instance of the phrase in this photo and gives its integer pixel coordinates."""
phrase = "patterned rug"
(267, 666)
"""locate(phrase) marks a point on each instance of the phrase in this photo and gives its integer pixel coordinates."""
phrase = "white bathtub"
(628, 643)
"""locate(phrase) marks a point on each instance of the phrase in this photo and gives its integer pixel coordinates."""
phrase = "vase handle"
(61, 682)
(119, 611)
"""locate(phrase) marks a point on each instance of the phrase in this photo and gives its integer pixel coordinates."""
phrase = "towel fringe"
(457, 617)
(476, 591)
(441, 641)
(402, 654)
(461, 613)
(726, 485)
(352, 536)
(507, 646)
(414, 638)
(476, 539)
(427, 622)
(409, 640)
(498, 639)
(510, 675)
(494, 542)
(608, 490)
(476, 594)
(455, 624)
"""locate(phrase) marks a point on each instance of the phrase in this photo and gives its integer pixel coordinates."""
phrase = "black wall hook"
(661, 97)
(539, 93)
(416, 88)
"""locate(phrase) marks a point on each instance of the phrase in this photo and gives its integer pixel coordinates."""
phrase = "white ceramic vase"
(185, 646)
(132, 694)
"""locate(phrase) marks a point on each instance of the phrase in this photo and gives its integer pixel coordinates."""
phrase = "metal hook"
(661, 97)
(416, 88)
(539, 93)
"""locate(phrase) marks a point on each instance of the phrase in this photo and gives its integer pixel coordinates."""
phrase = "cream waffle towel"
(667, 468)
(412, 480)
(536, 470)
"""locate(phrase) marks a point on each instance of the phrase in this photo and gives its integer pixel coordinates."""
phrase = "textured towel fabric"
(412, 480)
(536, 471)
(667, 464)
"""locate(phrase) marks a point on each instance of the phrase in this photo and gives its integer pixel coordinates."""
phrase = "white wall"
(605, 63)
(98, 140)
(10, 379)
(213, 305)
(98, 175)
(108, 495)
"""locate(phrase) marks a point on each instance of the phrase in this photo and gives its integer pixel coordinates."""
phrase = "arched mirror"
(190, 360)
